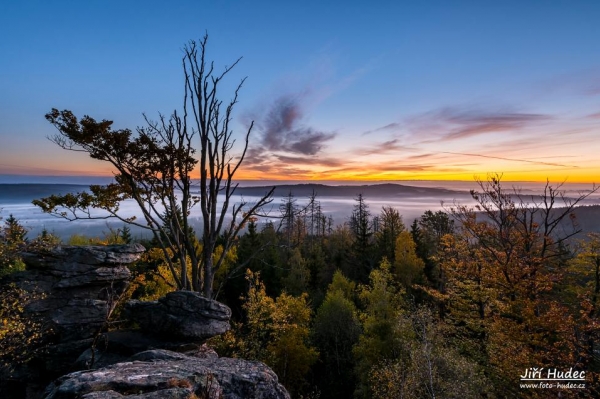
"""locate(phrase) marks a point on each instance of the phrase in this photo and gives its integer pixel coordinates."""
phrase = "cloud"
(583, 82)
(595, 115)
(386, 128)
(392, 145)
(329, 162)
(510, 159)
(453, 123)
(282, 129)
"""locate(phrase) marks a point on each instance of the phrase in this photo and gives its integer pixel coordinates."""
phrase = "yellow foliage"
(408, 267)
(276, 332)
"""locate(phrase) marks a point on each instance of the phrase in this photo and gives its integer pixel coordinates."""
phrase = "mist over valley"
(411, 199)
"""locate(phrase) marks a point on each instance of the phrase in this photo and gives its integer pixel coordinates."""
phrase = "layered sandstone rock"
(164, 358)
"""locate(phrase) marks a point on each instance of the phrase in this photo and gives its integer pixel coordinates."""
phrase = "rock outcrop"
(180, 315)
(80, 284)
(78, 287)
(166, 374)
(163, 358)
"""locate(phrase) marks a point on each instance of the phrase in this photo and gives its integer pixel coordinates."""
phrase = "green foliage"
(291, 355)
(112, 237)
(338, 247)
(275, 332)
(427, 234)
(12, 240)
(335, 331)
(362, 232)
(431, 368)
(381, 338)
(390, 226)
(343, 285)
(298, 277)
(125, 235)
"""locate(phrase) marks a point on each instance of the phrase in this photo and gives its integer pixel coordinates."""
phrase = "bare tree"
(217, 167)
(155, 168)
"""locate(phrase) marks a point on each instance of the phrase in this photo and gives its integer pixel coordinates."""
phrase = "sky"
(348, 90)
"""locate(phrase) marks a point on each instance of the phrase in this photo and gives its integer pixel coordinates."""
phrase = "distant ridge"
(28, 192)
(371, 190)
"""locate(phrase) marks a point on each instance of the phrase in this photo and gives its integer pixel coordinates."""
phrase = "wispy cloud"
(387, 128)
(328, 162)
(454, 123)
(595, 115)
(510, 159)
(584, 82)
(385, 147)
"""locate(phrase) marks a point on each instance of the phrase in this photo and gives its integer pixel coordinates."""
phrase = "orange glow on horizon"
(585, 175)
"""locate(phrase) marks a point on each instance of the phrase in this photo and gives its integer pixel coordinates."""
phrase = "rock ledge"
(166, 374)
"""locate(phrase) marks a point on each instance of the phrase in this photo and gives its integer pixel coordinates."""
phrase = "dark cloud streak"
(450, 123)
(388, 127)
(281, 129)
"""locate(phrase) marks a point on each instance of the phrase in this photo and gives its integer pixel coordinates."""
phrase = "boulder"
(180, 315)
(166, 374)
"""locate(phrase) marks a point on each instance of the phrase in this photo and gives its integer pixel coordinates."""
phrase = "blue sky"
(388, 90)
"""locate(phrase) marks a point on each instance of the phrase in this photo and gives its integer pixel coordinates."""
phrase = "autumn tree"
(504, 268)
(408, 267)
(432, 367)
(581, 290)
(276, 332)
(155, 168)
(20, 335)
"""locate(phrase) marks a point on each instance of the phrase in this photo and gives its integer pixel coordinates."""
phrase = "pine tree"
(360, 225)
(12, 239)
(126, 235)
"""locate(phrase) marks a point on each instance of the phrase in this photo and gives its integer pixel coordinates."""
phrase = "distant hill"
(588, 218)
(373, 190)
(28, 192)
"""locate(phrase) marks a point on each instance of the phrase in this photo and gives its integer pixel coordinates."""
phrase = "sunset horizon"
(368, 93)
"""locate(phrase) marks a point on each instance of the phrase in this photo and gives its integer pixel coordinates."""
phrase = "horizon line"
(289, 181)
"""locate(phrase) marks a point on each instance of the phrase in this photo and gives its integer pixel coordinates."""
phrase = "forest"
(456, 303)
(464, 302)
